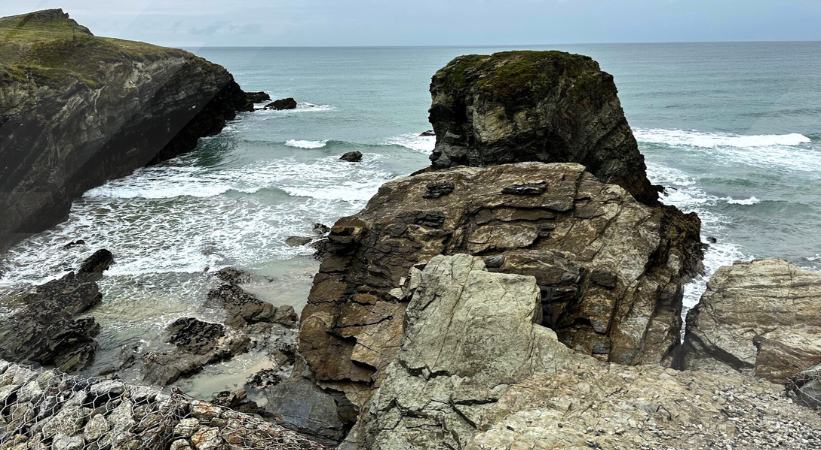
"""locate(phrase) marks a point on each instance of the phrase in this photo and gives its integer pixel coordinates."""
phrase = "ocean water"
(732, 130)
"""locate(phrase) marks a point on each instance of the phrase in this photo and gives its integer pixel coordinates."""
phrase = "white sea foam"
(790, 152)
(745, 201)
(683, 192)
(301, 107)
(298, 143)
(413, 141)
(694, 138)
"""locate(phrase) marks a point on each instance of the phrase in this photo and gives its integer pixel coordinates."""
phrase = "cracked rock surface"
(477, 371)
(609, 268)
(762, 317)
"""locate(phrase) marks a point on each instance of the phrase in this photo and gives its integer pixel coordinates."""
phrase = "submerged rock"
(354, 156)
(535, 106)
(281, 104)
(78, 110)
(762, 317)
(48, 328)
(476, 370)
(609, 268)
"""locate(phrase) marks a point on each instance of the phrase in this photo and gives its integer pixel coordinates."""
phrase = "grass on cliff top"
(514, 76)
(48, 47)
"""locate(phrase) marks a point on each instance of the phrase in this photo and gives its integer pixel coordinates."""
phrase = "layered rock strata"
(535, 106)
(77, 110)
(609, 269)
(476, 370)
(761, 317)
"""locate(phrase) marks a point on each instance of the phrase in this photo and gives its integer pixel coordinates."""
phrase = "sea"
(731, 130)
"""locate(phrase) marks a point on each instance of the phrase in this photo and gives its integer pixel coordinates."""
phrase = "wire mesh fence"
(45, 409)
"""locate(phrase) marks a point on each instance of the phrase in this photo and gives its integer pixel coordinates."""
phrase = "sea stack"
(545, 106)
(78, 110)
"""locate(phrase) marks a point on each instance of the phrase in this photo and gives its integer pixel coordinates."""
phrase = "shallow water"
(732, 130)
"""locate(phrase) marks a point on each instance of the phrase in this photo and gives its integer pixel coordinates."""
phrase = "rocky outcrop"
(281, 104)
(47, 326)
(47, 409)
(609, 269)
(354, 156)
(535, 106)
(77, 110)
(762, 317)
(476, 370)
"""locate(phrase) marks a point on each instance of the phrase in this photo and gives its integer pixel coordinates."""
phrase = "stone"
(476, 370)
(96, 428)
(805, 387)
(428, 133)
(321, 229)
(63, 442)
(207, 438)
(241, 307)
(109, 389)
(181, 444)
(761, 317)
(97, 263)
(545, 106)
(281, 104)
(112, 107)
(609, 268)
(257, 97)
(186, 428)
(232, 275)
(354, 156)
(69, 421)
(298, 241)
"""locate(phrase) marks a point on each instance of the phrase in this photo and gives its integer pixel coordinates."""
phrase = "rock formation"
(476, 370)
(47, 409)
(354, 156)
(77, 110)
(609, 269)
(283, 103)
(535, 106)
(47, 326)
(762, 317)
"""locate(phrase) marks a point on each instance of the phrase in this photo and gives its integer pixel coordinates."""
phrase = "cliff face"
(535, 106)
(77, 110)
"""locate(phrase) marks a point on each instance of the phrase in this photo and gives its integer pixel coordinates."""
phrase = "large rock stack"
(609, 261)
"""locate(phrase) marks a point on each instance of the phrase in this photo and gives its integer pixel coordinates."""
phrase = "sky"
(196, 23)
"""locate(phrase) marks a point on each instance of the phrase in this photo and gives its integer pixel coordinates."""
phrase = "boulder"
(284, 103)
(545, 106)
(298, 241)
(805, 387)
(79, 110)
(257, 97)
(609, 269)
(47, 328)
(476, 370)
(761, 317)
(354, 156)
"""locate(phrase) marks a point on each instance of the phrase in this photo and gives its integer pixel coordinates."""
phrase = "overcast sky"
(194, 23)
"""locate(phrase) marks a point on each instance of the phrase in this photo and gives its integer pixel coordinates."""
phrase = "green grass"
(48, 48)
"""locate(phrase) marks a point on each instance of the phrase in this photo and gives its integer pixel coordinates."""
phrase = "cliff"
(535, 106)
(77, 110)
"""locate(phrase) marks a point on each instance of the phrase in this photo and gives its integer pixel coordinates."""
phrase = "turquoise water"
(733, 130)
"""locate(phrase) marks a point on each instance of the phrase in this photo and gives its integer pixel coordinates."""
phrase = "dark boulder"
(281, 104)
(428, 133)
(354, 156)
(257, 97)
(298, 241)
(544, 106)
(46, 328)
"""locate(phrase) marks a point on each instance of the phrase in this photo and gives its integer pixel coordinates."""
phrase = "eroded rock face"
(477, 371)
(535, 106)
(609, 269)
(78, 110)
(762, 317)
(47, 326)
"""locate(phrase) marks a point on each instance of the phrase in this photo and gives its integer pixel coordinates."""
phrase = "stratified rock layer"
(77, 110)
(535, 106)
(762, 316)
(609, 268)
(476, 371)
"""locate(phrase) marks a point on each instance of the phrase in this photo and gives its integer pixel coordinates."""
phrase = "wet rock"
(428, 133)
(242, 308)
(281, 104)
(73, 244)
(762, 317)
(233, 275)
(436, 190)
(298, 241)
(97, 263)
(525, 189)
(257, 97)
(610, 269)
(321, 229)
(46, 328)
(354, 156)
(535, 106)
